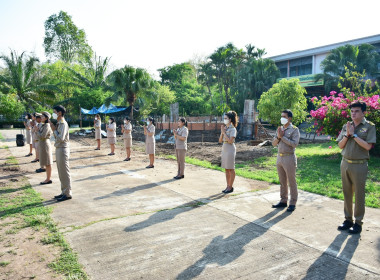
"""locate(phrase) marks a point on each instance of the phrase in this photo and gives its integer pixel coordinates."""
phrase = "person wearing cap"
(36, 122)
(111, 135)
(150, 141)
(355, 139)
(98, 127)
(287, 139)
(228, 134)
(62, 152)
(126, 129)
(28, 134)
(45, 150)
(180, 136)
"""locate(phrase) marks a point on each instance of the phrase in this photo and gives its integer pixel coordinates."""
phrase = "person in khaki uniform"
(180, 135)
(111, 135)
(126, 129)
(62, 152)
(287, 139)
(150, 141)
(34, 145)
(355, 139)
(98, 127)
(227, 136)
(45, 150)
(28, 131)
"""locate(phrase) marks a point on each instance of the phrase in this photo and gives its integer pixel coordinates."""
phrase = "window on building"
(301, 66)
(283, 67)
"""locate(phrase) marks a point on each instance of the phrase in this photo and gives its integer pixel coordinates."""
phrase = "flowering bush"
(333, 112)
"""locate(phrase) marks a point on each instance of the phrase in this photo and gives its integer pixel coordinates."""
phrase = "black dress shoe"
(111, 154)
(40, 170)
(280, 205)
(35, 160)
(127, 159)
(179, 177)
(58, 196)
(229, 191)
(63, 198)
(291, 208)
(150, 166)
(46, 183)
(356, 228)
(346, 225)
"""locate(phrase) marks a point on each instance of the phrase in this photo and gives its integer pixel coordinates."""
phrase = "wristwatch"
(355, 135)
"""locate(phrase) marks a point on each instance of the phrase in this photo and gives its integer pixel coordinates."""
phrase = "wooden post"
(204, 125)
(80, 117)
(202, 138)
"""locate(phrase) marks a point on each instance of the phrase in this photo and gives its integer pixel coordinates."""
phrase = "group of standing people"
(356, 139)
(39, 129)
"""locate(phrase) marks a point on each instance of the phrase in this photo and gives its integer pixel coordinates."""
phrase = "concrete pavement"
(128, 222)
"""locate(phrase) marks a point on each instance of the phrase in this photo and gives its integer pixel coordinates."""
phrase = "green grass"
(318, 171)
(4, 263)
(25, 203)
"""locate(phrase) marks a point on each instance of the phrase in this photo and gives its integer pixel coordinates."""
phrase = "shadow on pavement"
(166, 215)
(325, 268)
(225, 250)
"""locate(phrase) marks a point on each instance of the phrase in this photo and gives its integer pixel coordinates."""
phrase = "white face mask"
(96, 119)
(54, 116)
(148, 122)
(226, 121)
(26, 117)
(284, 121)
(109, 122)
(125, 122)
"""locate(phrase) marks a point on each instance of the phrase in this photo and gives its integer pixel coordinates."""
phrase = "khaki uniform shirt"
(353, 151)
(151, 129)
(230, 132)
(288, 143)
(129, 134)
(61, 134)
(183, 132)
(44, 132)
(111, 133)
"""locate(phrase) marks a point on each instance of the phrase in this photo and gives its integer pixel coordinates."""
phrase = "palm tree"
(129, 82)
(95, 76)
(21, 76)
(358, 58)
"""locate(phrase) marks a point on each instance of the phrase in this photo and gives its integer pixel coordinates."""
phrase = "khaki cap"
(46, 114)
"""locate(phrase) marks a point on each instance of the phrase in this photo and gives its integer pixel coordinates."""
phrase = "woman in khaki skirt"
(111, 135)
(36, 120)
(227, 136)
(126, 129)
(180, 135)
(150, 141)
(45, 150)
(98, 127)
(28, 131)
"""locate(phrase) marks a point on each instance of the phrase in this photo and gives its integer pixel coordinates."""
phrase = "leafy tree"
(286, 94)
(157, 101)
(253, 78)
(20, 76)
(64, 40)
(364, 57)
(174, 75)
(128, 83)
(10, 107)
(89, 97)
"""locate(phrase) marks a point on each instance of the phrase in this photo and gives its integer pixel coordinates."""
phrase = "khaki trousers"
(62, 156)
(181, 154)
(286, 169)
(354, 176)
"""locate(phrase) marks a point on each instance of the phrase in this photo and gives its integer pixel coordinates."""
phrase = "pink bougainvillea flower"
(330, 147)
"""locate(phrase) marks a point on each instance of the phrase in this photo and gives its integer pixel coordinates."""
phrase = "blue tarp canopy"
(102, 110)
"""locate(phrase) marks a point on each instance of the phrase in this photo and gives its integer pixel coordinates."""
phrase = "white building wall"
(317, 65)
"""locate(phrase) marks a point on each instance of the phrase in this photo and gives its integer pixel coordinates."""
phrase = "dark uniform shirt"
(353, 151)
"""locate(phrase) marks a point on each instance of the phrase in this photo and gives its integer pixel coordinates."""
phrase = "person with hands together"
(180, 136)
(126, 129)
(228, 134)
(111, 135)
(355, 139)
(98, 127)
(150, 141)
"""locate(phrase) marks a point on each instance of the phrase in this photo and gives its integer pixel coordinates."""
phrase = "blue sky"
(153, 34)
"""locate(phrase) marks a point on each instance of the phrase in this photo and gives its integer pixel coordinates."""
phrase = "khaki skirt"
(128, 142)
(228, 156)
(97, 134)
(45, 152)
(150, 148)
(33, 140)
(28, 137)
(111, 140)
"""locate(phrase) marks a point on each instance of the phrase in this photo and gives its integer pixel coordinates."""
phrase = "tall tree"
(174, 75)
(129, 82)
(64, 40)
(359, 58)
(20, 77)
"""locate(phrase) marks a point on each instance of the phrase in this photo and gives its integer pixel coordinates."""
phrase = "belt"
(226, 142)
(355, 161)
(285, 154)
